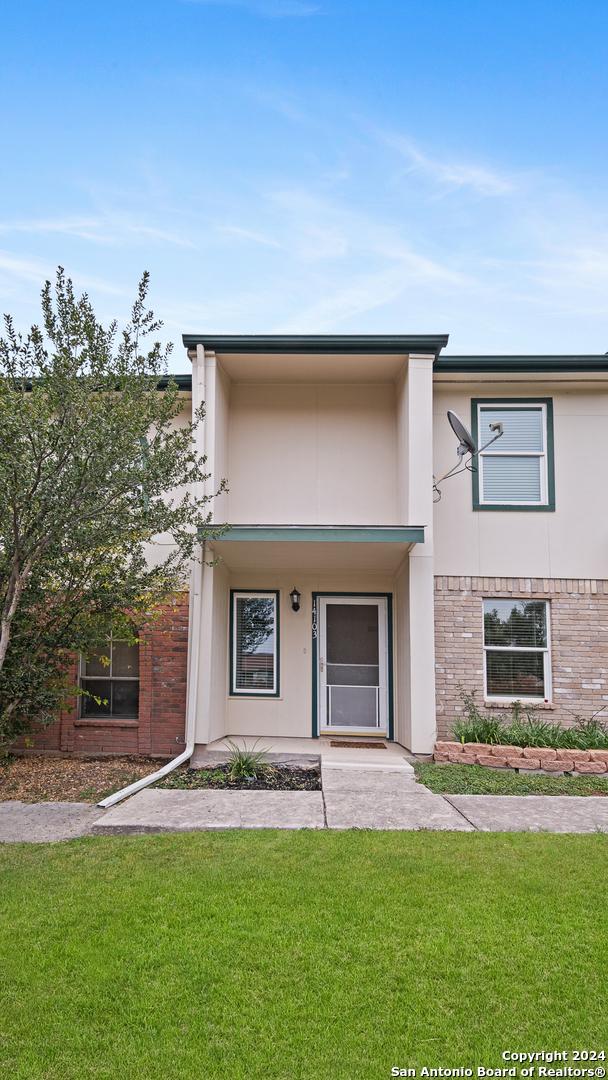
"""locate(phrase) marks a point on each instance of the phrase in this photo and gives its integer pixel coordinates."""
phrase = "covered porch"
(356, 657)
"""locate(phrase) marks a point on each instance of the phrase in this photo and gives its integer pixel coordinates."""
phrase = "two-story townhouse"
(342, 599)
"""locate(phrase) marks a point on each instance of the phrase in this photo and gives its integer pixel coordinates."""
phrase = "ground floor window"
(517, 660)
(110, 675)
(254, 652)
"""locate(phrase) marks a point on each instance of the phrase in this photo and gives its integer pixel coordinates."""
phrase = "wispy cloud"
(37, 271)
(249, 235)
(110, 230)
(448, 173)
(270, 9)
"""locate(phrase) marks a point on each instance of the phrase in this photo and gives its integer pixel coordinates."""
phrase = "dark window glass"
(98, 688)
(125, 697)
(111, 674)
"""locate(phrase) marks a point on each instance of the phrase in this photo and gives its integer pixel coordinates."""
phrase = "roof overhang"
(489, 365)
(400, 344)
(323, 534)
(302, 548)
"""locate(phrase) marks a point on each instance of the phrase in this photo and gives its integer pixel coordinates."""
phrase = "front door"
(353, 664)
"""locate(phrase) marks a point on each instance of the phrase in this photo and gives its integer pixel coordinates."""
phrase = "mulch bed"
(274, 778)
(52, 779)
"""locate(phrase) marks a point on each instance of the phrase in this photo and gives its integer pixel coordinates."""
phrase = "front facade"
(345, 598)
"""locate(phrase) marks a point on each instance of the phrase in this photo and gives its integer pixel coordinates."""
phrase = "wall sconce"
(295, 599)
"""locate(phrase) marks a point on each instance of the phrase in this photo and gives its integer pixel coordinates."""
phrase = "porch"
(355, 659)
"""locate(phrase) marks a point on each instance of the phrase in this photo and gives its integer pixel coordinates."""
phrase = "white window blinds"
(513, 471)
(254, 647)
(516, 648)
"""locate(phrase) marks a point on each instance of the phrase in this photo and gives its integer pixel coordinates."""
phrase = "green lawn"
(298, 955)
(478, 780)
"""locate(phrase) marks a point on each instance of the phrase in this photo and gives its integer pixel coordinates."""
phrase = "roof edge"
(319, 343)
(540, 363)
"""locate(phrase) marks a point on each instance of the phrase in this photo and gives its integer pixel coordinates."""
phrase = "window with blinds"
(513, 471)
(254, 653)
(516, 649)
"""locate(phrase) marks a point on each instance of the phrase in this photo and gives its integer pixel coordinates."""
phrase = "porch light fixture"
(295, 599)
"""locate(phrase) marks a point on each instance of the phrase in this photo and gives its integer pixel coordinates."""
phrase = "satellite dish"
(465, 439)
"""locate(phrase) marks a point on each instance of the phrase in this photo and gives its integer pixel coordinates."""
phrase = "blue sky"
(329, 166)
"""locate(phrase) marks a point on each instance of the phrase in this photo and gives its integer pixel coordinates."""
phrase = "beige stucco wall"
(313, 454)
(219, 450)
(157, 551)
(570, 542)
(401, 653)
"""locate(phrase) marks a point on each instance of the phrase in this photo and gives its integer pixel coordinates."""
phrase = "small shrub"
(523, 727)
(476, 726)
(246, 763)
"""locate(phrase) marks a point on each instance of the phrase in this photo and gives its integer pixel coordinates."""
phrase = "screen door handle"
(321, 664)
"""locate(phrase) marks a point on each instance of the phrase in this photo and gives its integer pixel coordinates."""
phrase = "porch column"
(421, 651)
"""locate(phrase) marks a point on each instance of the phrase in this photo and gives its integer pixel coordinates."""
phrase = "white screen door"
(353, 664)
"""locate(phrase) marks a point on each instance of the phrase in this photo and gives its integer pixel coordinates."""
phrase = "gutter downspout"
(194, 630)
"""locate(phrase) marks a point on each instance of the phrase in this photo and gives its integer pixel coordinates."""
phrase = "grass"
(477, 780)
(315, 956)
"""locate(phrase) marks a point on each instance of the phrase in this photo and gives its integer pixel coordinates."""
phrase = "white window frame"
(545, 649)
(495, 451)
(248, 691)
(83, 679)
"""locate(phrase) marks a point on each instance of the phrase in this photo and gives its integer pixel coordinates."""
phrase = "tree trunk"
(16, 583)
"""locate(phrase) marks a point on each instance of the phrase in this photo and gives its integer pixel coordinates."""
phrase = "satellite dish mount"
(466, 448)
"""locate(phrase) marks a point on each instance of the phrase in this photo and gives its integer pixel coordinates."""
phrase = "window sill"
(525, 508)
(255, 697)
(493, 703)
(105, 721)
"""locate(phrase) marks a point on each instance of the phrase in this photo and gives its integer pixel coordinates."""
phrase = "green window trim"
(545, 507)
(232, 692)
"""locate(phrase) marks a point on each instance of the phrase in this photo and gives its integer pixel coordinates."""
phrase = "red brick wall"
(578, 612)
(160, 729)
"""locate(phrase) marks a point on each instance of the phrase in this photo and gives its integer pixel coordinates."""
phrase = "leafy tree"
(93, 467)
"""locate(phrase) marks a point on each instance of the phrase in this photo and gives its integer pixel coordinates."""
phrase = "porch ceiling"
(316, 547)
(307, 368)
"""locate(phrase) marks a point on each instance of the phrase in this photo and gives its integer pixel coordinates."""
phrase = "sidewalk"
(376, 790)
(379, 792)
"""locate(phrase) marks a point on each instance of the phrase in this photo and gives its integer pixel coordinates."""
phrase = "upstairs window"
(110, 675)
(516, 647)
(254, 643)
(516, 471)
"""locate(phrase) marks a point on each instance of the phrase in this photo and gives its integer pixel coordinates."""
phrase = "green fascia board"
(542, 508)
(184, 382)
(331, 534)
(538, 364)
(319, 343)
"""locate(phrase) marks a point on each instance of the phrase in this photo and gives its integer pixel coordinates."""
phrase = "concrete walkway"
(376, 792)
(40, 822)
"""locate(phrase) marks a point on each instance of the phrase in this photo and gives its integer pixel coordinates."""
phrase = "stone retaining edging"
(522, 757)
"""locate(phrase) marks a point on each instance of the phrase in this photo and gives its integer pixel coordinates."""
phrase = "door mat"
(359, 745)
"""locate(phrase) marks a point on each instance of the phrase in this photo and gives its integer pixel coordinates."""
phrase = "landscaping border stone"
(540, 758)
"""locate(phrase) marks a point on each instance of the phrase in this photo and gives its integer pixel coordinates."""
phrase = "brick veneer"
(159, 730)
(527, 757)
(578, 611)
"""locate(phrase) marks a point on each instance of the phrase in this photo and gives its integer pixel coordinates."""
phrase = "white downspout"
(194, 625)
